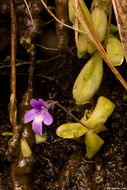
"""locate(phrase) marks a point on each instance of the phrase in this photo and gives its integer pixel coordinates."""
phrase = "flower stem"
(70, 114)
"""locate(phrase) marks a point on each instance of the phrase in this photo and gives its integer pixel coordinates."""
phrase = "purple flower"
(39, 114)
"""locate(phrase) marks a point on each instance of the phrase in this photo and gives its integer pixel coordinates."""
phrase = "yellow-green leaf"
(99, 19)
(115, 51)
(93, 144)
(87, 13)
(102, 111)
(72, 14)
(7, 134)
(88, 80)
(12, 104)
(40, 138)
(82, 45)
(25, 149)
(102, 4)
(26, 40)
(71, 130)
(99, 128)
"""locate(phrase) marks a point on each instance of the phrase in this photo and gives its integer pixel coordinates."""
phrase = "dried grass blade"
(29, 13)
(76, 23)
(51, 13)
(121, 18)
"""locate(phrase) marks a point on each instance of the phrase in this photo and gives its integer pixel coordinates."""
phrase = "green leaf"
(102, 111)
(113, 28)
(25, 149)
(72, 13)
(40, 138)
(102, 4)
(12, 106)
(115, 51)
(87, 13)
(99, 128)
(93, 144)
(25, 40)
(7, 134)
(124, 97)
(82, 45)
(88, 80)
(71, 130)
(99, 19)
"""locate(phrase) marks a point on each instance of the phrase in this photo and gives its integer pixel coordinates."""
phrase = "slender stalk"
(13, 60)
(70, 114)
(87, 27)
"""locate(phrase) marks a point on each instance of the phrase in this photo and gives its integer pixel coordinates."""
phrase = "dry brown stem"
(46, 48)
(68, 26)
(87, 27)
(13, 59)
(76, 23)
(120, 9)
(29, 13)
(14, 141)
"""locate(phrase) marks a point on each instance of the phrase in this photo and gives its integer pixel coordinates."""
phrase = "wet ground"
(62, 164)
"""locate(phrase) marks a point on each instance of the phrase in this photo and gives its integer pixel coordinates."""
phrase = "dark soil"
(62, 164)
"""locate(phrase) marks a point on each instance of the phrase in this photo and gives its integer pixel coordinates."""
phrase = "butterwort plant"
(39, 114)
(94, 125)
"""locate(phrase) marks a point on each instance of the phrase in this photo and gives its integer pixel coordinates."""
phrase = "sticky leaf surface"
(88, 80)
(71, 130)
(93, 144)
(102, 111)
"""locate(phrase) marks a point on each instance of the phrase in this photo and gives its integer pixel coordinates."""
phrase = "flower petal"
(37, 124)
(29, 115)
(43, 103)
(36, 103)
(47, 118)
